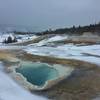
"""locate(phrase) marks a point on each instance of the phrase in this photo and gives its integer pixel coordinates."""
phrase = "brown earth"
(83, 84)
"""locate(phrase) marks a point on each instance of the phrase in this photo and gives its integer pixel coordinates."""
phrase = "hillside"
(94, 28)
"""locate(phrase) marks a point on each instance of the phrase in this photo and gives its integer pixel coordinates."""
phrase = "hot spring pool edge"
(63, 71)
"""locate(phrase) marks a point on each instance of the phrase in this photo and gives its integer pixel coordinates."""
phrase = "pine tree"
(9, 40)
(14, 40)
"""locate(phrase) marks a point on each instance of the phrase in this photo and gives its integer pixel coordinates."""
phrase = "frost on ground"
(9, 90)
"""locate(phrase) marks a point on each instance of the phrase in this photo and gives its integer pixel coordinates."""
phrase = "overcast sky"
(44, 14)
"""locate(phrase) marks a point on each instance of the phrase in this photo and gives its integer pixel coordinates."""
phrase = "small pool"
(37, 74)
(40, 76)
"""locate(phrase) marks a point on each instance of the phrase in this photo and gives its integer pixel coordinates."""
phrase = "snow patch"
(52, 39)
(69, 52)
(9, 90)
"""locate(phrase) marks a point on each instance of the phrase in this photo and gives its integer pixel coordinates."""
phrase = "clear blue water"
(37, 73)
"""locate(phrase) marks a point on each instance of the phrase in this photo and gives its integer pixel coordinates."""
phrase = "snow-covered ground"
(5, 36)
(24, 38)
(9, 90)
(57, 38)
(51, 39)
(20, 38)
(10, 47)
(89, 53)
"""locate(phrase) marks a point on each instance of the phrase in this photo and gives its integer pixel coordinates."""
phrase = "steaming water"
(9, 90)
(37, 73)
(41, 76)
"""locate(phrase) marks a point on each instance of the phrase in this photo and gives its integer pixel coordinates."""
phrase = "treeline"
(22, 33)
(74, 30)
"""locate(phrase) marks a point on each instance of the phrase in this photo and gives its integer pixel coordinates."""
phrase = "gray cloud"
(45, 14)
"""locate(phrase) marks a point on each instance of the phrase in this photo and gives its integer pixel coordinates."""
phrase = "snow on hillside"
(5, 36)
(25, 38)
(57, 38)
(52, 39)
(20, 38)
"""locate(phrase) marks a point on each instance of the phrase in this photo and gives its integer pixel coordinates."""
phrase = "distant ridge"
(94, 28)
